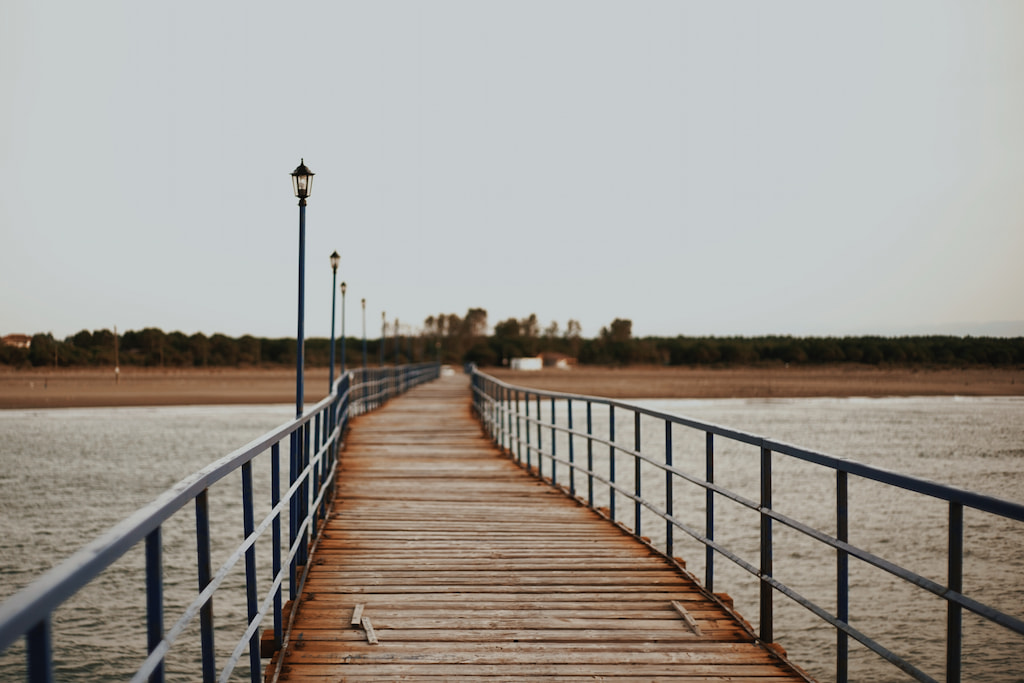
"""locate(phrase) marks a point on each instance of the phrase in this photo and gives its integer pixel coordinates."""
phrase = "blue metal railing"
(314, 440)
(505, 412)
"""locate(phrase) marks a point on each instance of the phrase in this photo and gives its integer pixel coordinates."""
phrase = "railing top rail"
(998, 506)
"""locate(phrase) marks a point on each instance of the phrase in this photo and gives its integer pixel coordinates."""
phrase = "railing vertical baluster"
(954, 613)
(669, 503)
(611, 462)
(275, 498)
(709, 513)
(554, 449)
(590, 454)
(636, 472)
(205, 573)
(572, 460)
(154, 598)
(251, 594)
(766, 615)
(842, 577)
(39, 651)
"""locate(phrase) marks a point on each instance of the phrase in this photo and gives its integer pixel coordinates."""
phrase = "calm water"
(129, 455)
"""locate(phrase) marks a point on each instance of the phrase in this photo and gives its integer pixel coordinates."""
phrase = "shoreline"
(96, 387)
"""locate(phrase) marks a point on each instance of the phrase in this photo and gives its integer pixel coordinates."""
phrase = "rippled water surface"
(68, 475)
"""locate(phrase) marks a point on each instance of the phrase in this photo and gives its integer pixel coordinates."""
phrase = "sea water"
(67, 475)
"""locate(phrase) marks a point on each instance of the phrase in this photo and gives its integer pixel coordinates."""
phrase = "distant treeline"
(454, 339)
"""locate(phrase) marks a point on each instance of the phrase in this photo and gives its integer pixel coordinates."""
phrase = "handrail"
(314, 441)
(498, 406)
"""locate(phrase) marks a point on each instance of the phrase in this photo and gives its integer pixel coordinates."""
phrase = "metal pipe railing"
(497, 405)
(314, 440)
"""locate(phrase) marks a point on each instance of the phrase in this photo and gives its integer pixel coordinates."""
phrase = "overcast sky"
(761, 167)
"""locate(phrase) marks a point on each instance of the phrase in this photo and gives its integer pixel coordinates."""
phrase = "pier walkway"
(461, 566)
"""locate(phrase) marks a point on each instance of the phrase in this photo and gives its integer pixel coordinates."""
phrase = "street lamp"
(302, 183)
(383, 328)
(335, 260)
(364, 334)
(343, 288)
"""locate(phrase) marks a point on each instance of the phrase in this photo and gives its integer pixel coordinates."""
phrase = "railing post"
(39, 651)
(669, 497)
(842, 578)
(294, 439)
(636, 472)
(554, 449)
(500, 400)
(766, 615)
(526, 402)
(319, 439)
(590, 455)
(540, 446)
(572, 460)
(307, 436)
(611, 462)
(251, 594)
(954, 613)
(519, 435)
(205, 573)
(154, 599)
(709, 513)
(275, 498)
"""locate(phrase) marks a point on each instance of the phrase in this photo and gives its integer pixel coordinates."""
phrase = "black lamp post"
(302, 183)
(343, 288)
(383, 328)
(364, 334)
(335, 260)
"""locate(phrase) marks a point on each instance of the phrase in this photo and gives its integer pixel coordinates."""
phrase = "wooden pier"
(444, 560)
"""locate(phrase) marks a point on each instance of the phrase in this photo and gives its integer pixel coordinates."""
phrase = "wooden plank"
(472, 570)
(687, 617)
(371, 635)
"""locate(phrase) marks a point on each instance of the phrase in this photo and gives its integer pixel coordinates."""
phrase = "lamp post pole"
(397, 342)
(383, 328)
(302, 182)
(364, 334)
(335, 260)
(343, 288)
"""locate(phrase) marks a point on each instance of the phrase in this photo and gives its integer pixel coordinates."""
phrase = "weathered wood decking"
(469, 569)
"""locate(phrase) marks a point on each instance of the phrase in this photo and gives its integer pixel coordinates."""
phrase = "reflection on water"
(68, 475)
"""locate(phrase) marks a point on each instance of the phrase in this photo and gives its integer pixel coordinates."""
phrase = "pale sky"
(758, 167)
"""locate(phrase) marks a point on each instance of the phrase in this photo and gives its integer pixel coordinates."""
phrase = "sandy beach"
(38, 388)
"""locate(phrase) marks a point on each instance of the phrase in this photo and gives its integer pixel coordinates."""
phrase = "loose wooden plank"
(690, 621)
(371, 635)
